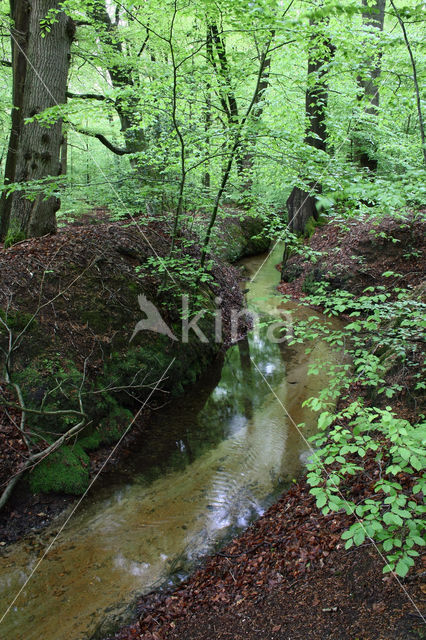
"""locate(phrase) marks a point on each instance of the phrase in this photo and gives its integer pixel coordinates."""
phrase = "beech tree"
(41, 42)
(164, 90)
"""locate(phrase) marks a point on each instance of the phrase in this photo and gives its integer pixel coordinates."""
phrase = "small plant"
(394, 516)
(414, 253)
(384, 333)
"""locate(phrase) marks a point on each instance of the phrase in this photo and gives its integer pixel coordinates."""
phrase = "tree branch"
(38, 457)
(21, 407)
(119, 151)
(86, 96)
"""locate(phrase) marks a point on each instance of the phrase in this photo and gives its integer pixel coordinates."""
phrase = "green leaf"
(402, 568)
(415, 463)
(321, 500)
(359, 537)
(392, 518)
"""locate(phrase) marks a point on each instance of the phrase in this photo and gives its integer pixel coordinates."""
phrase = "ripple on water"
(209, 465)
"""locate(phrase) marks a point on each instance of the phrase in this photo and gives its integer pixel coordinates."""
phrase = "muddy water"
(213, 460)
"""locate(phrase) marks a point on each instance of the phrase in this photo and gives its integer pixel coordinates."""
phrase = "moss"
(99, 320)
(310, 227)
(114, 425)
(151, 354)
(54, 380)
(91, 441)
(17, 320)
(65, 470)
(13, 237)
(109, 430)
(311, 281)
(239, 238)
(312, 224)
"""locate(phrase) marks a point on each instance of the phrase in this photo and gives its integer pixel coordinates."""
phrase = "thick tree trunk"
(300, 206)
(364, 148)
(38, 148)
(20, 14)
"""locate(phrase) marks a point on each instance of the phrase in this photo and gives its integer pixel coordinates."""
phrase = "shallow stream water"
(213, 461)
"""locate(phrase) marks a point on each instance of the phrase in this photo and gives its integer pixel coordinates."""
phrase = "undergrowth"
(366, 438)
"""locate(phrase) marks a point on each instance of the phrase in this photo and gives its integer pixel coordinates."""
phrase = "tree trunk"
(122, 77)
(301, 204)
(364, 148)
(44, 86)
(20, 14)
(207, 114)
(64, 155)
(415, 80)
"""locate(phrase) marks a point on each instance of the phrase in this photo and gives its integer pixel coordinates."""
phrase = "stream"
(213, 461)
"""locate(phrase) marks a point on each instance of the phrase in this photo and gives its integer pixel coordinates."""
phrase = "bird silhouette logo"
(153, 321)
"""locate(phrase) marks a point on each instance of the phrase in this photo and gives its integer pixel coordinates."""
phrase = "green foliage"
(385, 333)
(179, 273)
(394, 517)
(148, 180)
(381, 330)
(65, 470)
(13, 237)
(17, 321)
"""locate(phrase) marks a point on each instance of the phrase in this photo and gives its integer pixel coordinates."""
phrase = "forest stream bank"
(69, 320)
(211, 462)
(289, 577)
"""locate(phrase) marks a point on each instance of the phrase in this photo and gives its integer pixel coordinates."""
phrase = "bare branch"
(119, 151)
(86, 96)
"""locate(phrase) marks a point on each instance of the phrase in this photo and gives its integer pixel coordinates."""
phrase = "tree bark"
(36, 147)
(122, 77)
(20, 14)
(63, 167)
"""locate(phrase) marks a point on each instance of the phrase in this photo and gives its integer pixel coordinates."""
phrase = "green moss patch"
(65, 470)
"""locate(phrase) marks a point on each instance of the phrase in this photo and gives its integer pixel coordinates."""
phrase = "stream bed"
(212, 462)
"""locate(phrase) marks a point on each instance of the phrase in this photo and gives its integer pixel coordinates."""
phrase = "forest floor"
(288, 577)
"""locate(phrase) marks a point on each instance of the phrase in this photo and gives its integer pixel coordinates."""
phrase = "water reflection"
(211, 462)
